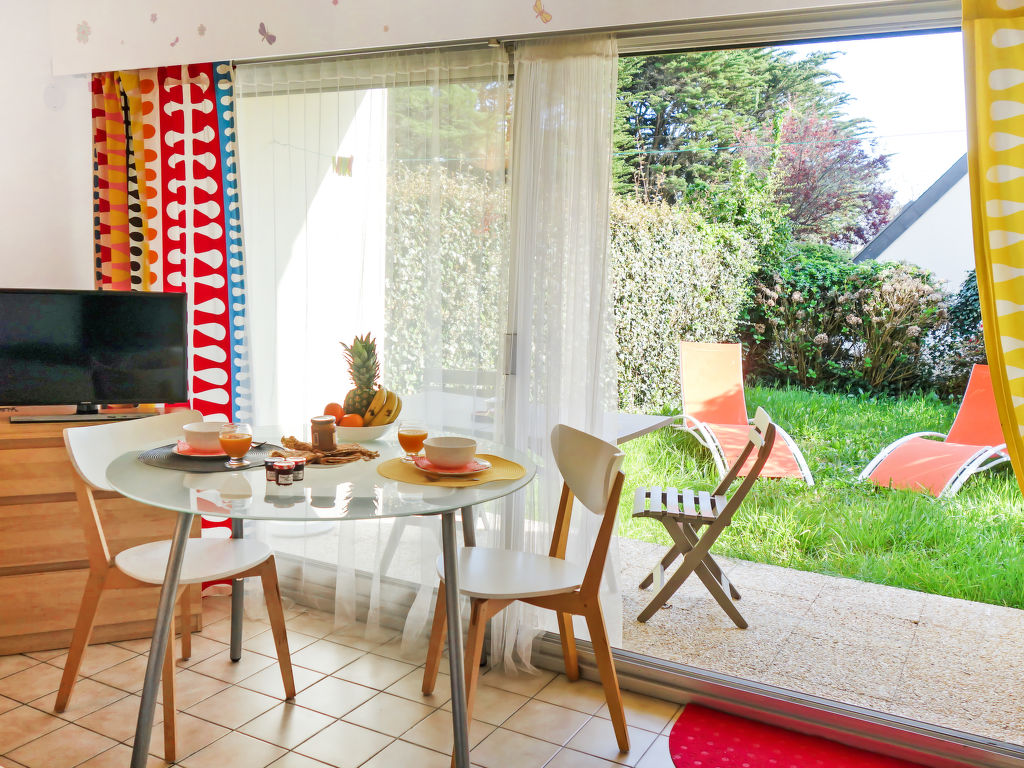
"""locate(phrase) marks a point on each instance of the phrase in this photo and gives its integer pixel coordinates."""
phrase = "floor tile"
(524, 684)
(223, 668)
(46, 655)
(117, 720)
(373, 671)
(221, 630)
(128, 675)
(657, 755)
(86, 697)
(391, 715)
(334, 697)
(21, 725)
(312, 623)
(548, 722)
(140, 644)
(190, 688)
(264, 642)
(583, 695)
(597, 738)
(96, 658)
(30, 683)
(120, 756)
(234, 749)
(494, 705)
(325, 656)
(268, 681)
(295, 760)
(233, 707)
(193, 734)
(411, 687)
(202, 649)
(402, 753)
(435, 732)
(570, 758)
(505, 748)
(63, 748)
(287, 725)
(644, 712)
(16, 663)
(7, 704)
(344, 745)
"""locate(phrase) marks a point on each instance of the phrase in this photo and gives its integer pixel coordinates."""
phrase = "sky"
(911, 88)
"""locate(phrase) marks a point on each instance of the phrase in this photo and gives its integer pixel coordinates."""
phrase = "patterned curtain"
(166, 212)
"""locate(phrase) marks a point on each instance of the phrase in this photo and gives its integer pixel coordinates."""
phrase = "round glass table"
(354, 491)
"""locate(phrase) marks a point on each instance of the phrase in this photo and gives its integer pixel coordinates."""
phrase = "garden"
(755, 245)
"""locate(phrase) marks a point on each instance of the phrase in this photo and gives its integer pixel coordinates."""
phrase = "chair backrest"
(977, 421)
(711, 377)
(762, 439)
(592, 472)
(91, 449)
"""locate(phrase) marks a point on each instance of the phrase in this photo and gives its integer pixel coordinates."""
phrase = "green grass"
(970, 546)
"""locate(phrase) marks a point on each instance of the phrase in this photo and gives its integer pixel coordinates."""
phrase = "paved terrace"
(943, 661)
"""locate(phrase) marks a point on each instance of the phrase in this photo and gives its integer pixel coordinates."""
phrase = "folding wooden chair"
(684, 513)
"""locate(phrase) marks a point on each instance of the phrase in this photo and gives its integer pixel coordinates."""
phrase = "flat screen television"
(91, 348)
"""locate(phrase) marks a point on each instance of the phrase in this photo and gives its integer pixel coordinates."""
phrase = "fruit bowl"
(360, 434)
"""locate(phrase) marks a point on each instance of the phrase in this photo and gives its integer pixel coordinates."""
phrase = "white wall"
(46, 163)
(941, 240)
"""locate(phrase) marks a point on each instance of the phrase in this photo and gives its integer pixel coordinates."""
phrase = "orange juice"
(411, 439)
(236, 444)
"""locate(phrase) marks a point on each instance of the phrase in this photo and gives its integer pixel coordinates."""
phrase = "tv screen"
(102, 347)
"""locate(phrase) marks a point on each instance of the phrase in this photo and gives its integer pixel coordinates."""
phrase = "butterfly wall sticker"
(267, 36)
(538, 8)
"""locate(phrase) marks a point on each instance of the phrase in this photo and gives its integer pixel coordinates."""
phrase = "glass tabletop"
(354, 491)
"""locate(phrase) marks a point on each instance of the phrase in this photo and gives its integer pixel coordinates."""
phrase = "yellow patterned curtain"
(994, 63)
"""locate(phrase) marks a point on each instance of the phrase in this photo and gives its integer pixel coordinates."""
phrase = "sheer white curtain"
(564, 366)
(374, 192)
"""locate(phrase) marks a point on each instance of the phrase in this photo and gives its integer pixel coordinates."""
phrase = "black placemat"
(165, 457)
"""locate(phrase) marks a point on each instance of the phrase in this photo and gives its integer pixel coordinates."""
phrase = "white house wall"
(941, 240)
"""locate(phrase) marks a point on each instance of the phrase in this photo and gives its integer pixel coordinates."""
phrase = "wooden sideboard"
(43, 565)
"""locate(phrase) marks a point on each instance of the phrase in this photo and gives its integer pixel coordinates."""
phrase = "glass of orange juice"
(235, 440)
(411, 435)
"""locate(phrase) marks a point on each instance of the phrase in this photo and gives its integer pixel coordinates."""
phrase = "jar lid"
(322, 420)
(297, 460)
(284, 464)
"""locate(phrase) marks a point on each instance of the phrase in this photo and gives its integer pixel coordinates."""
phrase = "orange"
(351, 420)
(335, 410)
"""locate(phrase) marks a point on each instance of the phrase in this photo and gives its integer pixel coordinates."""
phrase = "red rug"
(706, 738)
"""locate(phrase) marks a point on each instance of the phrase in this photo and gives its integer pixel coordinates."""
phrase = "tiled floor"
(942, 661)
(359, 704)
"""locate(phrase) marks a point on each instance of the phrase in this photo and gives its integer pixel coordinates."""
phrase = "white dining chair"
(91, 450)
(495, 578)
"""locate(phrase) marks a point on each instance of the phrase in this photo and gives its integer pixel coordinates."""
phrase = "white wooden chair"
(494, 578)
(91, 450)
(686, 513)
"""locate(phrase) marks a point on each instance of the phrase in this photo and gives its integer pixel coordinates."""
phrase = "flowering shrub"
(823, 321)
(676, 276)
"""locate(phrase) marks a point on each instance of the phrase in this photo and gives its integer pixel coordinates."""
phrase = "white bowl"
(449, 452)
(360, 434)
(203, 435)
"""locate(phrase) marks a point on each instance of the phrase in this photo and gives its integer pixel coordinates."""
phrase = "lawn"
(970, 546)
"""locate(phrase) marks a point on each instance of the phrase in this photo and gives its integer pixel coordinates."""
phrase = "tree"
(829, 181)
(678, 114)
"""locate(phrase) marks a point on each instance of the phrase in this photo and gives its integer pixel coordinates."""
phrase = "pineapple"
(364, 368)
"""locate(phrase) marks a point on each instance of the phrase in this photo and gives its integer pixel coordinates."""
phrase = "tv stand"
(56, 418)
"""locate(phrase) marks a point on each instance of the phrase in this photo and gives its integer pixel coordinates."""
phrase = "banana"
(383, 416)
(398, 410)
(376, 406)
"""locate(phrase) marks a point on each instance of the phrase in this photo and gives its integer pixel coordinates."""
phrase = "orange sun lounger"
(715, 411)
(940, 467)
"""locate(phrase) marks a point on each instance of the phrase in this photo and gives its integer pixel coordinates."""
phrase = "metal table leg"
(161, 636)
(237, 601)
(456, 662)
(468, 527)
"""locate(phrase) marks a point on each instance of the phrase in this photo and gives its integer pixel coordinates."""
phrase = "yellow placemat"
(404, 472)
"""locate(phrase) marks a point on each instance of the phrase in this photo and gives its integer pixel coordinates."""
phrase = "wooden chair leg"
(186, 622)
(437, 631)
(80, 638)
(565, 631)
(474, 650)
(606, 671)
(170, 712)
(275, 610)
